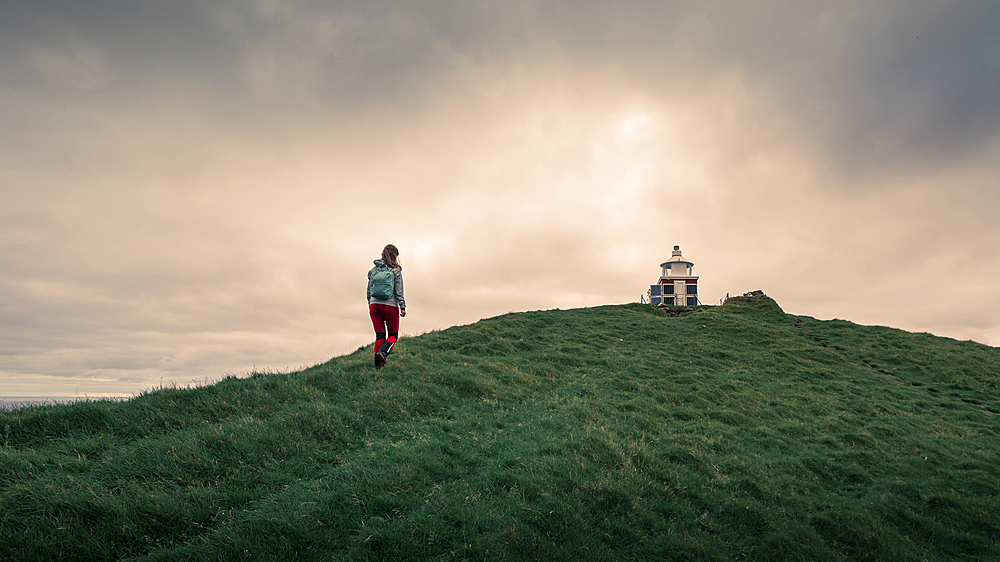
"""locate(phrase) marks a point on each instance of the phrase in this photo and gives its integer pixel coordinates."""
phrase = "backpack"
(383, 282)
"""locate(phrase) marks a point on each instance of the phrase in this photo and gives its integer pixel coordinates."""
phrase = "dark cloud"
(881, 87)
(140, 46)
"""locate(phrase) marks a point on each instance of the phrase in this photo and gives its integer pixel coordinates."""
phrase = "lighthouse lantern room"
(676, 285)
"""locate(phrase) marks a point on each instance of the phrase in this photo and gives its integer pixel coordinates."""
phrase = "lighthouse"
(676, 285)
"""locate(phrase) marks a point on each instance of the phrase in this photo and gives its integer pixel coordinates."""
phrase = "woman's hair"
(390, 255)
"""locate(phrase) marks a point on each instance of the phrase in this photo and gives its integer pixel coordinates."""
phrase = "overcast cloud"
(191, 189)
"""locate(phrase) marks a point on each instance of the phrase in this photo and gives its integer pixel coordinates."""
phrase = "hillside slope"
(615, 432)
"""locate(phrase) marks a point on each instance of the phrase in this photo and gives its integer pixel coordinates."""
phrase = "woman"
(385, 302)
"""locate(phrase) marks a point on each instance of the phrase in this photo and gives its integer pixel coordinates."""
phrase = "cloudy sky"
(197, 188)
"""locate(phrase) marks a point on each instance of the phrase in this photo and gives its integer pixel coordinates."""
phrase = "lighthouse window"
(668, 289)
(654, 290)
(692, 289)
(692, 301)
(668, 300)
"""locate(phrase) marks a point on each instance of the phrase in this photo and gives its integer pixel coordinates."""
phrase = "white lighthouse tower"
(676, 285)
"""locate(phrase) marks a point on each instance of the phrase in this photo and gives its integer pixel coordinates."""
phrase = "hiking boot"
(379, 360)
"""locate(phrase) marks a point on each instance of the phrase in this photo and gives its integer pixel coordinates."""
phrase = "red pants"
(385, 320)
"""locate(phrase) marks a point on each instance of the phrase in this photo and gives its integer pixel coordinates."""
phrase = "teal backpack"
(383, 283)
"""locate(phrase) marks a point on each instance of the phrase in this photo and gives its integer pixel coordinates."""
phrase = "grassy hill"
(616, 432)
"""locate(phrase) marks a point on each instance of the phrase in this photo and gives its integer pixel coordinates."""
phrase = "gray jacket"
(397, 294)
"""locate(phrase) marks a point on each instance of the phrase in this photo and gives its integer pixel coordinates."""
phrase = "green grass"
(608, 433)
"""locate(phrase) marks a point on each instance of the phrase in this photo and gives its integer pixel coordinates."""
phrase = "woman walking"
(385, 302)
